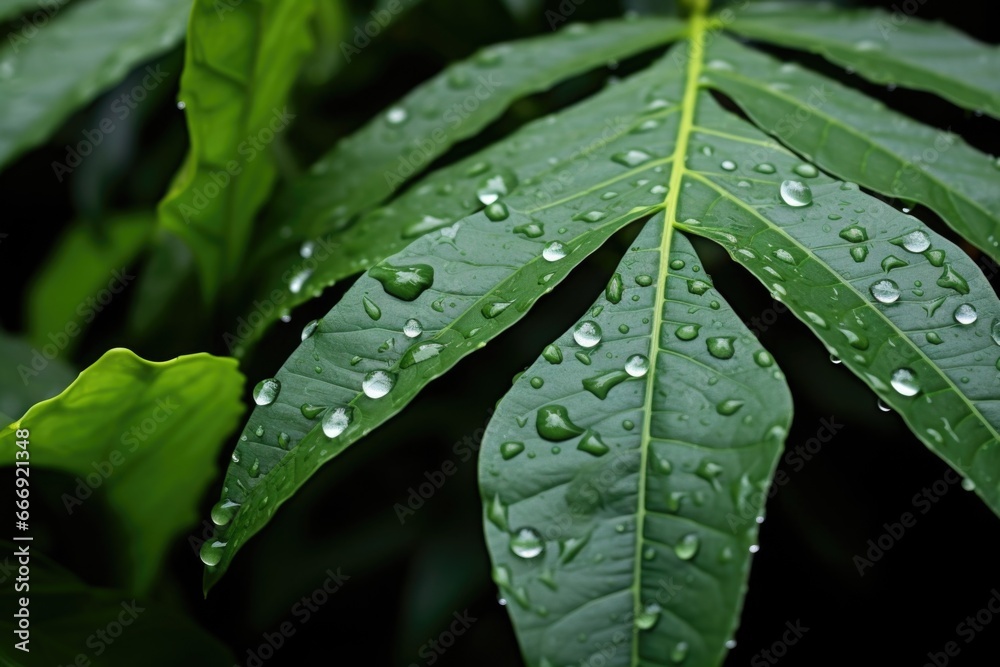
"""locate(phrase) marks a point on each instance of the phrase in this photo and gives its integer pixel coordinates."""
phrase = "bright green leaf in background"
(82, 50)
(156, 426)
(240, 64)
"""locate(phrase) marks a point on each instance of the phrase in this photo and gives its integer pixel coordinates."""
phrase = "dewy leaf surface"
(623, 473)
(892, 48)
(82, 51)
(149, 423)
(859, 139)
(369, 166)
(906, 310)
(239, 66)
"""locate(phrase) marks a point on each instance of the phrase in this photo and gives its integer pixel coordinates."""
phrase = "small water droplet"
(764, 168)
(637, 365)
(527, 543)
(396, 116)
(632, 158)
(592, 444)
(587, 334)
(530, 230)
(729, 406)
(492, 310)
(648, 616)
(553, 423)
(687, 331)
(309, 329)
(223, 512)
(497, 211)
(211, 552)
(952, 280)
(728, 165)
(615, 288)
(371, 308)
(554, 251)
(806, 170)
(885, 291)
(859, 253)
(916, 241)
(403, 282)
(412, 328)
(552, 354)
(966, 314)
(509, 450)
(266, 391)
(721, 347)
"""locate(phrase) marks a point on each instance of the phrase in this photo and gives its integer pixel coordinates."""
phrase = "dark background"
(407, 580)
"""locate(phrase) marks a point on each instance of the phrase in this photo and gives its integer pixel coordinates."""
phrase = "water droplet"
(730, 644)
(855, 340)
(933, 338)
(406, 282)
(698, 287)
(592, 444)
(377, 384)
(310, 411)
(371, 308)
(419, 353)
(952, 280)
(491, 310)
(259, 431)
(885, 291)
(509, 450)
(916, 241)
(600, 385)
(181, 105)
(795, 193)
(728, 165)
(995, 331)
(687, 331)
(336, 421)
(423, 226)
(816, 319)
(632, 158)
(298, 280)
(729, 407)
(764, 168)
(552, 354)
(266, 391)
(892, 262)
(643, 280)
(590, 216)
(721, 347)
(497, 211)
(882, 406)
(966, 314)
(763, 358)
(968, 484)
(687, 547)
(530, 230)
(211, 552)
(537, 382)
(859, 253)
(309, 329)
(904, 381)
(254, 470)
(615, 288)
(784, 256)
(935, 257)
(412, 328)
(677, 264)
(587, 334)
(553, 423)
(554, 251)
(527, 543)
(806, 170)
(637, 365)
(648, 616)
(223, 512)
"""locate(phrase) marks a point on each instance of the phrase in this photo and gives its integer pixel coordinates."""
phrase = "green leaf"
(12, 9)
(84, 273)
(66, 615)
(371, 164)
(438, 201)
(854, 137)
(485, 276)
(621, 493)
(82, 51)
(896, 48)
(151, 430)
(904, 309)
(240, 64)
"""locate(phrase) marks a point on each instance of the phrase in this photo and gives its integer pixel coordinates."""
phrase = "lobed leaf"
(623, 474)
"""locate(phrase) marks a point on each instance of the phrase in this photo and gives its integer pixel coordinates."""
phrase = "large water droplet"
(854, 234)
(420, 352)
(687, 331)
(553, 423)
(637, 365)
(915, 241)
(648, 616)
(904, 381)
(412, 328)
(371, 308)
(615, 288)
(600, 385)
(211, 552)
(497, 211)
(405, 282)
(554, 251)
(885, 291)
(266, 391)
(952, 280)
(527, 543)
(795, 193)
(721, 347)
(223, 512)
(377, 384)
(587, 334)
(966, 314)
(509, 450)
(592, 444)
(336, 421)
